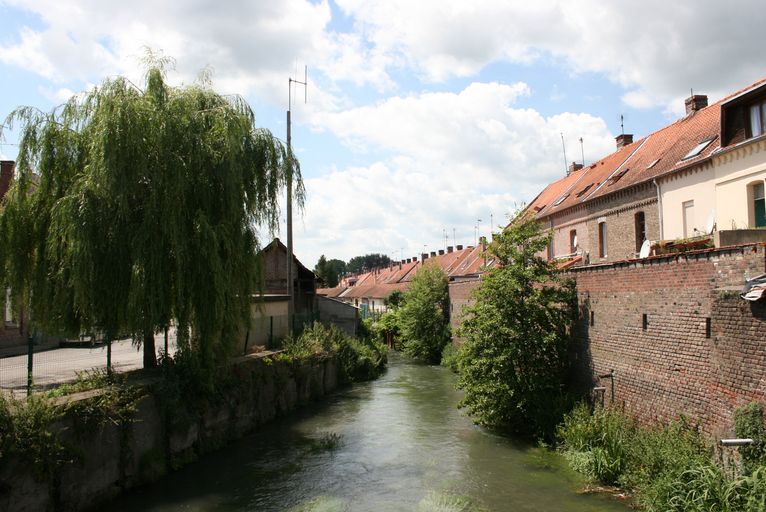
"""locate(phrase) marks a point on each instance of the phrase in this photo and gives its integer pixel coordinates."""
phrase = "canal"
(396, 444)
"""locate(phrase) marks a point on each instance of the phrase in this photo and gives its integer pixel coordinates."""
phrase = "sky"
(422, 120)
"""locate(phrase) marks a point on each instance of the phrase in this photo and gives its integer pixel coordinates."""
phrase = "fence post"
(108, 356)
(166, 341)
(247, 340)
(271, 333)
(30, 362)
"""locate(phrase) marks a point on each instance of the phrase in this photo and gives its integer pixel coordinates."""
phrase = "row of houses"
(699, 178)
(369, 290)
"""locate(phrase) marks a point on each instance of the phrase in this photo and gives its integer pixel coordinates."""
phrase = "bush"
(359, 359)
(748, 423)
(450, 356)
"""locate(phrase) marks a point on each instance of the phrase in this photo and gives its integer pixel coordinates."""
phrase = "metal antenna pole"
(582, 151)
(290, 284)
(563, 146)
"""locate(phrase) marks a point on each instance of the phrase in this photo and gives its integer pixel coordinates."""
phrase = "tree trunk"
(150, 354)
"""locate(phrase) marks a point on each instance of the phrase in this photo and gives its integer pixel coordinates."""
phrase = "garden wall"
(676, 334)
(111, 457)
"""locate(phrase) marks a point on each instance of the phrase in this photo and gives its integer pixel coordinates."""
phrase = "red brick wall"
(671, 367)
(460, 297)
(6, 176)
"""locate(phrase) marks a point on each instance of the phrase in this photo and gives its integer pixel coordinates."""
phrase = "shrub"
(748, 423)
(450, 356)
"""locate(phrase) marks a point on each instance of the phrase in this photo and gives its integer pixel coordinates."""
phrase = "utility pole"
(290, 294)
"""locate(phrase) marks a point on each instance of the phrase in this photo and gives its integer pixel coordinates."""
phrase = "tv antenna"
(582, 151)
(564, 147)
(289, 284)
(622, 124)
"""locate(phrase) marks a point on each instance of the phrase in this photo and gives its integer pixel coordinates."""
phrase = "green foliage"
(514, 360)
(748, 423)
(423, 319)
(26, 434)
(329, 271)
(670, 468)
(395, 299)
(359, 359)
(451, 357)
(365, 263)
(136, 207)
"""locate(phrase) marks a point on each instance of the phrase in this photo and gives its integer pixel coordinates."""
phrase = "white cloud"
(457, 157)
(657, 48)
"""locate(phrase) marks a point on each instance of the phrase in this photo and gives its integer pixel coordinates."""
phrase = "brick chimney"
(441, 252)
(624, 139)
(433, 254)
(450, 249)
(695, 103)
(6, 175)
(573, 167)
(459, 247)
(424, 256)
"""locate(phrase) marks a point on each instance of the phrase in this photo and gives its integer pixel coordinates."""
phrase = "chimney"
(624, 139)
(441, 252)
(433, 254)
(6, 176)
(459, 247)
(424, 256)
(450, 249)
(694, 103)
(574, 166)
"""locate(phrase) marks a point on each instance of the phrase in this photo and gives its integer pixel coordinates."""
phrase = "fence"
(46, 362)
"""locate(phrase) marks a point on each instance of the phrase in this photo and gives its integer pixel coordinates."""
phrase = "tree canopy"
(514, 359)
(137, 207)
(329, 271)
(424, 315)
(367, 262)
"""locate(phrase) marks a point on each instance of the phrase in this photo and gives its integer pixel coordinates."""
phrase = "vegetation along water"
(397, 443)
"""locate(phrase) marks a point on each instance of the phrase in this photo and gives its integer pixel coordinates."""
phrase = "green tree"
(320, 269)
(367, 262)
(514, 361)
(395, 299)
(338, 268)
(424, 316)
(135, 208)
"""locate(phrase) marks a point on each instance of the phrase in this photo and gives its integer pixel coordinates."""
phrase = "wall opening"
(640, 223)
(756, 205)
(644, 321)
(602, 241)
(688, 214)
(573, 241)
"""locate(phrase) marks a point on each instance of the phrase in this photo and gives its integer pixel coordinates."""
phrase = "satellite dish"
(710, 224)
(646, 248)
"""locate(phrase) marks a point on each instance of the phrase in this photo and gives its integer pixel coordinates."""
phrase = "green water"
(396, 444)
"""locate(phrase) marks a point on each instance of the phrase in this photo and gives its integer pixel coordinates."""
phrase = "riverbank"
(103, 449)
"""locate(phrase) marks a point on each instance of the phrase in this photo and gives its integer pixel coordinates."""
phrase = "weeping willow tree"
(137, 207)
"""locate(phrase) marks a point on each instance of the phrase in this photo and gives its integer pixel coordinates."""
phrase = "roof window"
(698, 148)
(561, 199)
(583, 191)
(653, 163)
(619, 175)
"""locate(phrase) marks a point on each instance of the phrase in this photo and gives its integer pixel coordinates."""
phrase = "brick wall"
(460, 297)
(668, 365)
(6, 176)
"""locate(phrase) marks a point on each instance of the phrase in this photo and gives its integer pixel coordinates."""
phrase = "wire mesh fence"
(43, 363)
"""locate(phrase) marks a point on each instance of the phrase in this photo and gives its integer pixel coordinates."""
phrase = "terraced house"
(703, 173)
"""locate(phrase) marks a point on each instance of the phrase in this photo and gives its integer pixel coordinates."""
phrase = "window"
(561, 199)
(688, 214)
(758, 119)
(758, 217)
(573, 241)
(602, 240)
(640, 222)
(696, 150)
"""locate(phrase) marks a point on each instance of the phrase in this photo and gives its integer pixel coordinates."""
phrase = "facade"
(728, 191)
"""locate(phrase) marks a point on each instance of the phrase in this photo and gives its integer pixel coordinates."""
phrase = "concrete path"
(62, 364)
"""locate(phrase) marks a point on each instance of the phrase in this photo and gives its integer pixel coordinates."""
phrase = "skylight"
(583, 191)
(560, 199)
(652, 164)
(698, 148)
(619, 175)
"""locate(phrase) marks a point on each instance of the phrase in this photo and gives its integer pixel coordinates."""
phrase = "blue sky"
(421, 117)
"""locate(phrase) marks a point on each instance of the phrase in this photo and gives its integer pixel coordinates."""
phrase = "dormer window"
(757, 119)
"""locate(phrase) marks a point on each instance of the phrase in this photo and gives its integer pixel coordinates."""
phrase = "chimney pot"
(441, 251)
(459, 247)
(433, 253)
(450, 249)
(624, 139)
(695, 103)
(574, 166)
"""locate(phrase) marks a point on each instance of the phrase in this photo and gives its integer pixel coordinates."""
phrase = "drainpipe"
(659, 206)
